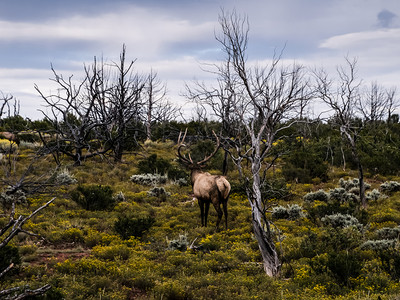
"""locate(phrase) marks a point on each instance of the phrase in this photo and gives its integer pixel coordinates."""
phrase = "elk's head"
(188, 161)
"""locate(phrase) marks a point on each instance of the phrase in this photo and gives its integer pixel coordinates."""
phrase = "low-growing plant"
(65, 178)
(373, 195)
(181, 243)
(319, 195)
(112, 252)
(154, 165)
(379, 245)
(149, 179)
(388, 233)
(94, 197)
(342, 195)
(10, 196)
(390, 187)
(127, 227)
(9, 254)
(158, 192)
(341, 221)
(352, 185)
(291, 212)
(120, 197)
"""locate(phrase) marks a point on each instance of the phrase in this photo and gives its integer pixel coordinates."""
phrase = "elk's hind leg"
(201, 205)
(219, 212)
(225, 207)
(206, 213)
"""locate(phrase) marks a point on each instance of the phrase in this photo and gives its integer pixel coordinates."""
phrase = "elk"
(12, 137)
(207, 188)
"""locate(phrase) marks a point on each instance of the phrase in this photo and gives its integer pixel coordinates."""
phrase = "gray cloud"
(386, 18)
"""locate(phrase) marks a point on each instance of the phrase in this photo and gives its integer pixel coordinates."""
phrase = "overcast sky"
(174, 37)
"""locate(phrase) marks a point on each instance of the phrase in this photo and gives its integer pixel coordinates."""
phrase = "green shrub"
(94, 197)
(275, 188)
(8, 255)
(127, 227)
(344, 265)
(72, 235)
(111, 252)
(154, 165)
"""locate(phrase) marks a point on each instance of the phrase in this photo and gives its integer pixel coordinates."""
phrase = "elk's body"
(10, 136)
(208, 188)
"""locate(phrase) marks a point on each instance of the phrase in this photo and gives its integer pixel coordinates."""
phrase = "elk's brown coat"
(208, 188)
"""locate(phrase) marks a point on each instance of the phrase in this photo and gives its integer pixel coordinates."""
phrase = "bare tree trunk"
(359, 165)
(262, 231)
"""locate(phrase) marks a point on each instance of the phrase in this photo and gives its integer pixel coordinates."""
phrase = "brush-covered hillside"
(131, 230)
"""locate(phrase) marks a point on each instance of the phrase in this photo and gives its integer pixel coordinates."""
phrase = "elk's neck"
(193, 175)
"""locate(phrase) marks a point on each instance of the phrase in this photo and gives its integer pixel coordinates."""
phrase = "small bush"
(373, 195)
(388, 233)
(352, 185)
(72, 235)
(8, 196)
(120, 197)
(127, 227)
(292, 212)
(94, 197)
(158, 192)
(295, 212)
(111, 252)
(341, 195)
(8, 255)
(319, 195)
(280, 212)
(341, 221)
(154, 165)
(180, 243)
(65, 178)
(7, 146)
(149, 179)
(390, 187)
(379, 245)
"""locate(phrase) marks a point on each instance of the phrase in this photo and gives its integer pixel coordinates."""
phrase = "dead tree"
(125, 102)
(72, 115)
(154, 93)
(376, 103)
(265, 97)
(342, 96)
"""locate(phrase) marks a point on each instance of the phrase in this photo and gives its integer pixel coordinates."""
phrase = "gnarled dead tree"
(207, 188)
(262, 100)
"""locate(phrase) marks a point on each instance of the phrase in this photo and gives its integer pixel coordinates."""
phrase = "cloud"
(359, 40)
(386, 18)
(144, 30)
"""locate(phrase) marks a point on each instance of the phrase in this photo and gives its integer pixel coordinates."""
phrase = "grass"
(83, 257)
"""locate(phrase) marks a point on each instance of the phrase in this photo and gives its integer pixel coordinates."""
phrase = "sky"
(175, 38)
